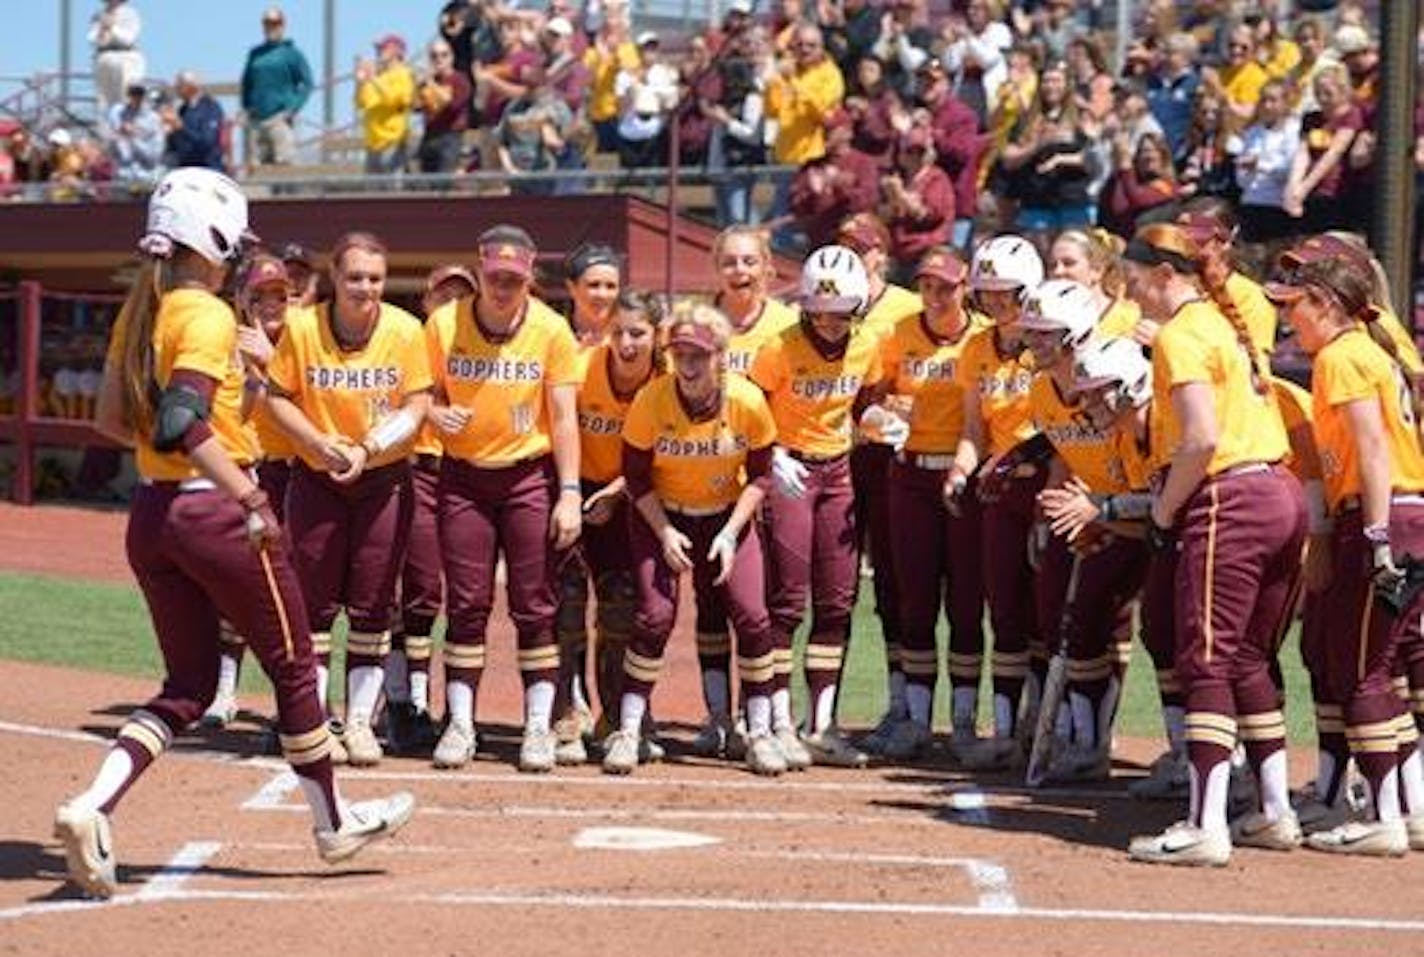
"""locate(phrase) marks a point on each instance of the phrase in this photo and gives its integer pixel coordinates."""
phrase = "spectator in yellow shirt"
(385, 93)
(798, 99)
(1242, 77)
(611, 53)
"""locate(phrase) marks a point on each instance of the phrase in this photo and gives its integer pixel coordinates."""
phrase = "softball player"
(697, 449)
(920, 357)
(203, 540)
(506, 371)
(1091, 258)
(350, 384)
(1237, 519)
(410, 728)
(1087, 583)
(616, 371)
(742, 257)
(1365, 421)
(594, 279)
(818, 375)
(867, 236)
(994, 372)
(1211, 223)
(262, 307)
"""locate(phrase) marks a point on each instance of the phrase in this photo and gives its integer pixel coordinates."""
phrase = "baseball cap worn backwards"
(693, 336)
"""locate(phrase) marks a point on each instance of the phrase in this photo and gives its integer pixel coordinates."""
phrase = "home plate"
(640, 839)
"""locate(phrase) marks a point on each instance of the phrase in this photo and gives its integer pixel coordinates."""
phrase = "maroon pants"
(657, 584)
(869, 476)
(422, 585)
(812, 547)
(1159, 624)
(936, 559)
(485, 513)
(195, 565)
(1010, 582)
(274, 476)
(349, 543)
(1241, 538)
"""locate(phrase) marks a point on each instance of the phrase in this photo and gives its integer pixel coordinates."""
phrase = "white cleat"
(765, 755)
(795, 753)
(88, 849)
(362, 748)
(456, 746)
(537, 752)
(620, 753)
(1363, 838)
(221, 713)
(1257, 830)
(363, 823)
(1184, 846)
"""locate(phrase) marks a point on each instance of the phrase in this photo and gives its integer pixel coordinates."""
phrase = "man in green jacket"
(275, 85)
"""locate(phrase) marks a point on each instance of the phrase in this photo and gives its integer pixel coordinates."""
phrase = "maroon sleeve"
(758, 467)
(937, 194)
(861, 191)
(957, 139)
(200, 431)
(637, 471)
(806, 203)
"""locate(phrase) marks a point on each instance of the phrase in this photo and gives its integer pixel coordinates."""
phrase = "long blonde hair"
(136, 320)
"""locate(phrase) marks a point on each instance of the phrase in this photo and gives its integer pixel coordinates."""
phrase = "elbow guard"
(396, 428)
(180, 409)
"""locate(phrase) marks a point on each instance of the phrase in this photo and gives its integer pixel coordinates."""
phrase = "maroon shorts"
(869, 474)
(811, 545)
(1009, 580)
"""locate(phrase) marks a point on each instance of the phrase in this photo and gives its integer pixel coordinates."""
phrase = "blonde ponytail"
(1216, 288)
(136, 321)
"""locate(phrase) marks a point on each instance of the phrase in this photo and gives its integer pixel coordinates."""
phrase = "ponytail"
(136, 322)
(1215, 286)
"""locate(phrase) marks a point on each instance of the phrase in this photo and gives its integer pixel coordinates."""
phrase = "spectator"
(648, 94)
(275, 85)
(66, 166)
(1361, 58)
(1205, 166)
(136, 139)
(30, 162)
(444, 98)
(8, 179)
(1263, 165)
(918, 202)
(739, 138)
(1314, 57)
(975, 57)
(1277, 53)
(1172, 91)
(1132, 116)
(904, 43)
(195, 128)
(570, 78)
(1047, 163)
(959, 146)
(1057, 28)
(118, 64)
(877, 112)
(1242, 77)
(700, 82)
(1209, 21)
(301, 273)
(1092, 83)
(530, 136)
(788, 16)
(385, 92)
(834, 187)
(799, 98)
(1142, 180)
(472, 34)
(509, 77)
(611, 53)
(1318, 187)
(851, 29)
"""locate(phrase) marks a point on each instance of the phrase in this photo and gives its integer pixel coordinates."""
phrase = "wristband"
(254, 501)
(1377, 534)
(1107, 507)
(570, 487)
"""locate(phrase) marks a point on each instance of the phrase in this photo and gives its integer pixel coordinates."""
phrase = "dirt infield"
(684, 858)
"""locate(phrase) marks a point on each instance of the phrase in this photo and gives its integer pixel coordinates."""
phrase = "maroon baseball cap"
(264, 270)
(941, 262)
(693, 336)
(1323, 247)
(863, 232)
(390, 39)
(1201, 228)
(447, 272)
(507, 258)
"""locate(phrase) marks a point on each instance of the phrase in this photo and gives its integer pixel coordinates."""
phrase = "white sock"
(1411, 781)
(631, 711)
(227, 677)
(113, 773)
(824, 713)
(1003, 716)
(964, 708)
(1325, 767)
(1174, 720)
(1386, 802)
(397, 678)
(716, 692)
(758, 715)
(1273, 780)
(420, 690)
(538, 706)
(899, 688)
(363, 690)
(323, 678)
(316, 800)
(781, 709)
(460, 703)
(1209, 797)
(919, 701)
(1085, 725)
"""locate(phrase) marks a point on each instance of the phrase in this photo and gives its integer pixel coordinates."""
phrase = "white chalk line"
(169, 882)
(182, 754)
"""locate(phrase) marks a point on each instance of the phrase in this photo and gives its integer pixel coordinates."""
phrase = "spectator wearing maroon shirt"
(829, 190)
(959, 146)
(509, 78)
(570, 79)
(1319, 185)
(444, 100)
(877, 111)
(917, 202)
(1141, 180)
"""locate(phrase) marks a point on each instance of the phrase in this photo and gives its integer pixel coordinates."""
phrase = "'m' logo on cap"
(986, 268)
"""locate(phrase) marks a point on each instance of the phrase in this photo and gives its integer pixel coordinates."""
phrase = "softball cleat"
(221, 713)
(831, 749)
(1414, 827)
(456, 746)
(88, 849)
(765, 755)
(1183, 845)
(537, 751)
(362, 748)
(364, 823)
(1314, 814)
(711, 739)
(1363, 838)
(907, 740)
(795, 753)
(1258, 830)
(620, 753)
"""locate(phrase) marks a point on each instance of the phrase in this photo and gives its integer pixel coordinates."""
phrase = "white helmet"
(1114, 362)
(833, 279)
(198, 208)
(1061, 305)
(1006, 263)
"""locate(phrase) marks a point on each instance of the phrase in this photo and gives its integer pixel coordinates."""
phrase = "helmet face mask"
(834, 284)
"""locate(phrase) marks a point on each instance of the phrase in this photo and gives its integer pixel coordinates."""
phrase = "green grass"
(105, 627)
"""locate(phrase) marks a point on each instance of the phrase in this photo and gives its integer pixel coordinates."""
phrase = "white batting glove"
(723, 554)
(879, 424)
(789, 474)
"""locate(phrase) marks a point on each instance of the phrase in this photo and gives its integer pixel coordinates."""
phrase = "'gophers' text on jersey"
(470, 369)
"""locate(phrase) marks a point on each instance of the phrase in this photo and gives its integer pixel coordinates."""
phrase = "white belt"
(932, 463)
(187, 485)
(1352, 503)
